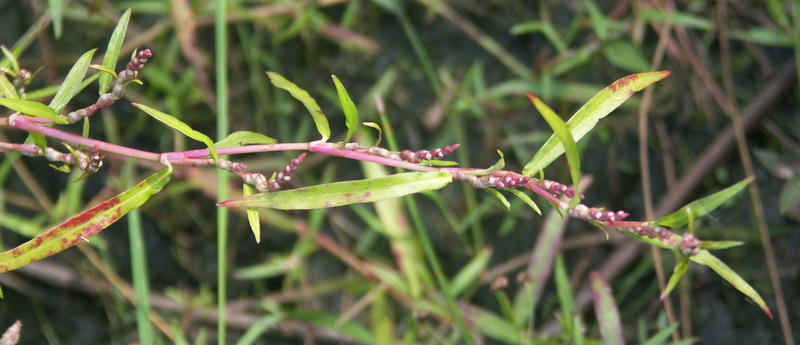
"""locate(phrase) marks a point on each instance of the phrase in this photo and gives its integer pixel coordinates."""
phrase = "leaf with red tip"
(605, 308)
(84, 225)
(587, 116)
(705, 258)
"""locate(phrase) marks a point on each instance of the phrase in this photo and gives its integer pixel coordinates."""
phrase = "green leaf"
(345, 193)
(349, 108)
(662, 336)
(677, 273)
(605, 308)
(701, 207)
(790, 194)
(252, 214)
(563, 134)
(520, 194)
(496, 194)
(470, 273)
(242, 138)
(69, 88)
(349, 330)
(705, 258)
(173, 122)
(390, 277)
(587, 116)
(377, 128)
(112, 51)
(83, 225)
(64, 168)
(33, 109)
(11, 58)
(255, 331)
(566, 300)
(8, 89)
(57, 13)
(438, 163)
(717, 245)
(24, 226)
(501, 163)
(38, 139)
(319, 117)
(598, 19)
(105, 70)
(623, 54)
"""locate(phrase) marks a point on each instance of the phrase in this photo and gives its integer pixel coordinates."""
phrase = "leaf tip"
(532, 96)
(767, 311)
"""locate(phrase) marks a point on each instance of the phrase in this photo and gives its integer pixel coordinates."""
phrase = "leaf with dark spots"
(83, 225)
(345, 193)
(587, 116)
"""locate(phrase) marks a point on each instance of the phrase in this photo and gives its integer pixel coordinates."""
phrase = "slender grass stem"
(221, 45)
(141, 283)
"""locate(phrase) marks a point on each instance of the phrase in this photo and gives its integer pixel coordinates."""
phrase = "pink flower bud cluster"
(592, 213)
(557, 188)
(405, 155)
(106, 99)
(88, 162)
(500, 180)
(234, 167)
(273, 184)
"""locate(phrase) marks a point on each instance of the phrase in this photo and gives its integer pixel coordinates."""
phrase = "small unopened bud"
(499, 283)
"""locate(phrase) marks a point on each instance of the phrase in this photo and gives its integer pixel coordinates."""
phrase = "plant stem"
(221, 50)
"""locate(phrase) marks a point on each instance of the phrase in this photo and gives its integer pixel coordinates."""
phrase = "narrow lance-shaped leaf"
(112, 51)
(84, 225)
(587, 116)
(606, 310)
(69, 88)
(496, 194)
(501, 163)
(701, 207)
(470, 273)
(562, 133)
(316, 113)
(345, 193)
(677, 273)
(8, 89)
(242, 138)
(520, 194)
(252, 214)
(349, 108)
(11, 59)
(32, 108)
(704, 257)
(57, 13)
(180, 126)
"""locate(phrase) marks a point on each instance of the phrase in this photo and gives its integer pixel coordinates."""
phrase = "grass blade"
(701, 207)
(349, 108)
(57, 13)
(112, 51)
(72, 83)
(587, 116)
(470, 273)
(258, 328)
(705, 258)
(606, 310)
(316, 113)
(32, 108)
(180, 126)
(345, 193)
(84, 225)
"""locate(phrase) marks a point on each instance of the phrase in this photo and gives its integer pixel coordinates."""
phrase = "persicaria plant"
(51, 137)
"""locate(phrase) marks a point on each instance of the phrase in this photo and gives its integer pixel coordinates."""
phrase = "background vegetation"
(447, 71)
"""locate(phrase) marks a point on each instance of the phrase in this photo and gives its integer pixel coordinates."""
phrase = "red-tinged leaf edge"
(83, 225)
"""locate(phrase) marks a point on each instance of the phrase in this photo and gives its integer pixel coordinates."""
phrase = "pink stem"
(28, 123)
(336, 150)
